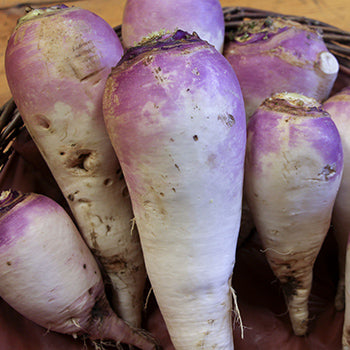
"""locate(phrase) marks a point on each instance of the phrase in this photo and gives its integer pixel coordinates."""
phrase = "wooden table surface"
(334, 12)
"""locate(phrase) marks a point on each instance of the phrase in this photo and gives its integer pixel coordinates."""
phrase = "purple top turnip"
(48, 274)
(181, 145)
(275, 55)
(57, 62)
(294, 165)
(142, 18)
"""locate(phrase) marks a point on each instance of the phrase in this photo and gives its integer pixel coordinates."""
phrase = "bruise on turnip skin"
(83, 161)
(229, 119)
(327, 172)
(98, 312)
(291, 280)
(114, 263)
(290, 284)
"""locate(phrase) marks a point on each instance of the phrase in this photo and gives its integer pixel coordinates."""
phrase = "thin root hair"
(147, 298)
(133, 224)
(283, 313)
(85, 342)
(101, 344)
(276, 251)
(98, 345)
(237, 314)
(48, 330)
(119, 346)
(76, 323)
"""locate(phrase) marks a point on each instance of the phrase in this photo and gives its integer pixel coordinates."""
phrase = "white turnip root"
(142, 18)
(49, 275)
(181, 145)
(57, 62)
(274, 55)
(338, 106)
(294, 164)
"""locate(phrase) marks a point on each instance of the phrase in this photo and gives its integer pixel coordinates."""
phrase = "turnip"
(142, 18)
(49, 275)
(274, 55)
(338, 106)
(294, 164)
(181, 146)
(57, 62)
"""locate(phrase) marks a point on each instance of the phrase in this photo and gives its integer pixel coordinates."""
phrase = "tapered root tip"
(114, 328)
(300, 329)
(298, 312)
(142, 339)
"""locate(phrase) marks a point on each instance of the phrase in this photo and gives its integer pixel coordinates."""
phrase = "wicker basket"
(337, 41)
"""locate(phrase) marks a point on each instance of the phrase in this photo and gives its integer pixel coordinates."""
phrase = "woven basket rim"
(336, 40)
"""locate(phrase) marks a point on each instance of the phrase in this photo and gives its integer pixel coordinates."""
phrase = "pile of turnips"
(156, 139)
(70, 298)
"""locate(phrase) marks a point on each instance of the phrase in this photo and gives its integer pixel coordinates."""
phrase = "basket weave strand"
(336, 40)
(10, 125)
